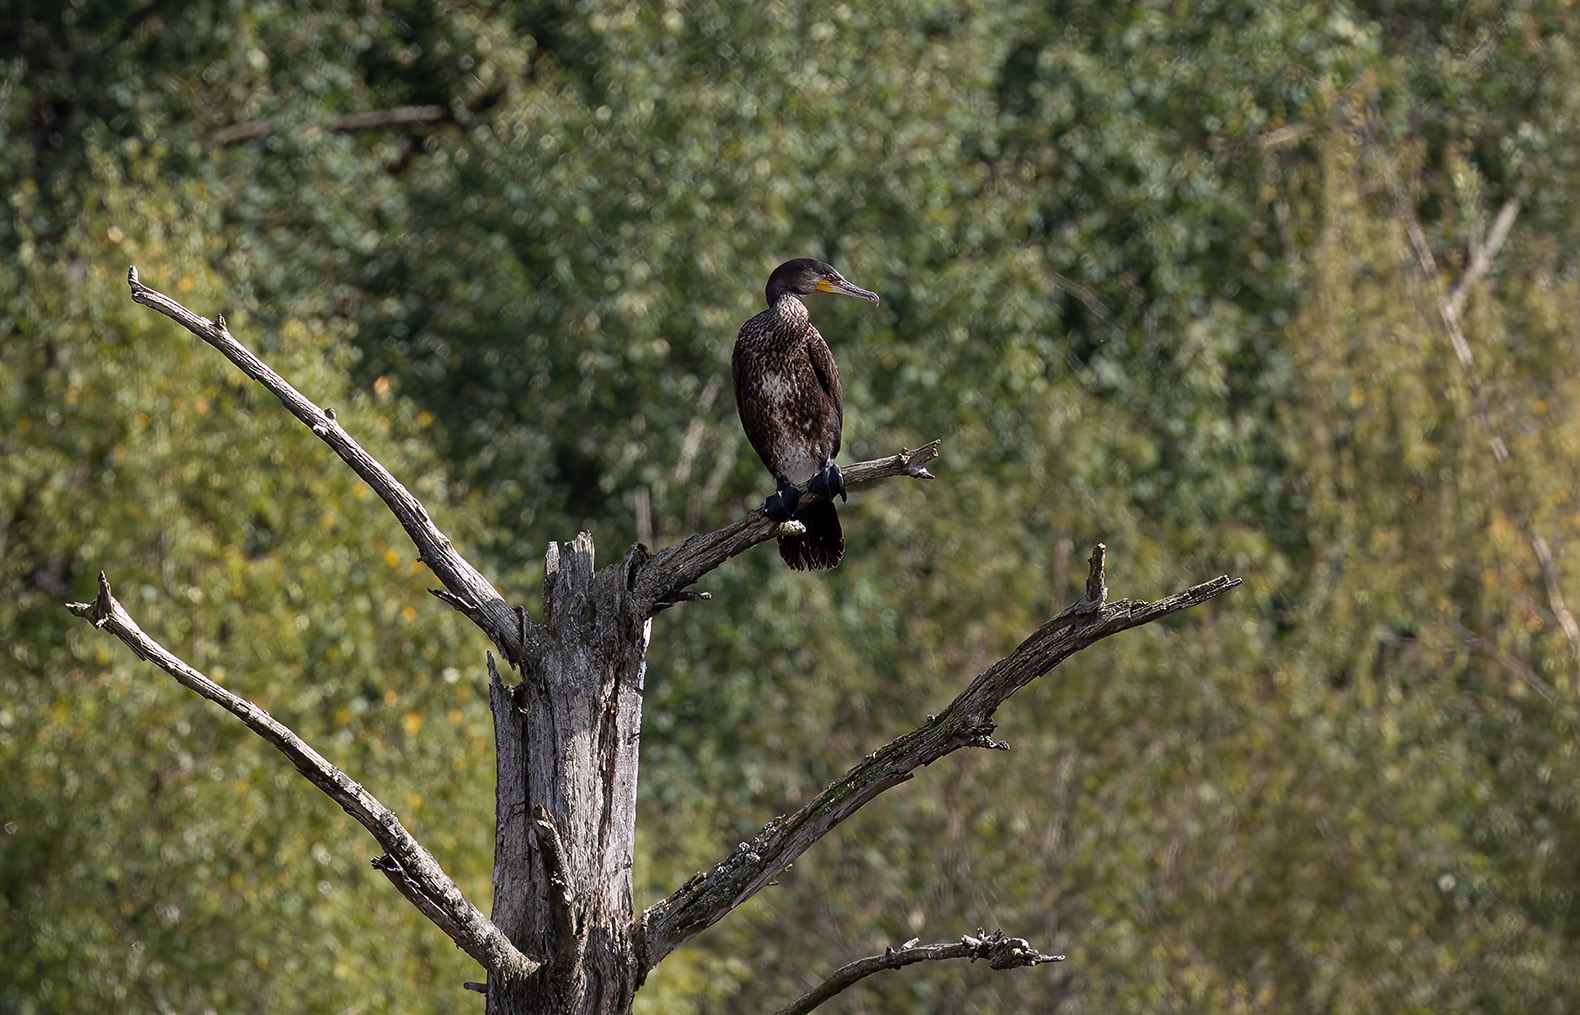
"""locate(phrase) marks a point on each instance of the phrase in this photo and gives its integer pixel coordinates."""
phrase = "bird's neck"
(789, 308)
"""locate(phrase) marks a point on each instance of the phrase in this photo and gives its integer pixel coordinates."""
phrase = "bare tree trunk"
(564, 937)
(567, 792)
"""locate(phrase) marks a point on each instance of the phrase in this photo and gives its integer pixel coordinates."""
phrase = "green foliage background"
(1140, 269)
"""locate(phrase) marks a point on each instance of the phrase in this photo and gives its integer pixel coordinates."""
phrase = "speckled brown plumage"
(788, 395)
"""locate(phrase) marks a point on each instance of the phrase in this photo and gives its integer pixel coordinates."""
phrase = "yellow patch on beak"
(825, 286)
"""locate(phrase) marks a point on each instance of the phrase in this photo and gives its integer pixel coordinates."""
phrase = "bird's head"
(805, 276)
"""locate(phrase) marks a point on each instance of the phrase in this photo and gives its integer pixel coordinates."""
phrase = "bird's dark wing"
(745, 373)
(827, 379)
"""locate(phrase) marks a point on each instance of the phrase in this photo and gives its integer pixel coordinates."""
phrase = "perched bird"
(787, 393)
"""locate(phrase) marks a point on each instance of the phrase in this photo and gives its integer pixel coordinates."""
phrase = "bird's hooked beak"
(843, 288)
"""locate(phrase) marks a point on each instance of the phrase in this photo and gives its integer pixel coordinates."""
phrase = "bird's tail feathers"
(821, 546)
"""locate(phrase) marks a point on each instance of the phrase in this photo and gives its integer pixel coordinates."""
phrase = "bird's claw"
(781, 506)
(829, 483)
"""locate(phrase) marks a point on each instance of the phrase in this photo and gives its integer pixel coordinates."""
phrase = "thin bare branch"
(251, 130)
(1555, 593)
(1000, 952)
(1446, 307)
(967, 722)
(1098, 308)
(1288, 134)
(660, 582)
(1481, 259)
(411, 868)
(468, 590)
(693, 439)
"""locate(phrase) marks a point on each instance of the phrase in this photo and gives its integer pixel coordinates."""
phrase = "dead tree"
(565, 936)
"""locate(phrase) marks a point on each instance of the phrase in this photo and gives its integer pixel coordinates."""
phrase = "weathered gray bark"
(564, 936)
(566, 822)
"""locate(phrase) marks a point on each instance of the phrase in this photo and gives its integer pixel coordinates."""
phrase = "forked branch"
(967, 722)
(410, 867)
(1450, 305)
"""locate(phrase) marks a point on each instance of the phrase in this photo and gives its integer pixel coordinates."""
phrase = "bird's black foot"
(829, 483)
(782, 504)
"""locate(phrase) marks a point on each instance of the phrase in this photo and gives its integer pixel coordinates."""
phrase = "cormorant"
(787, 393)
